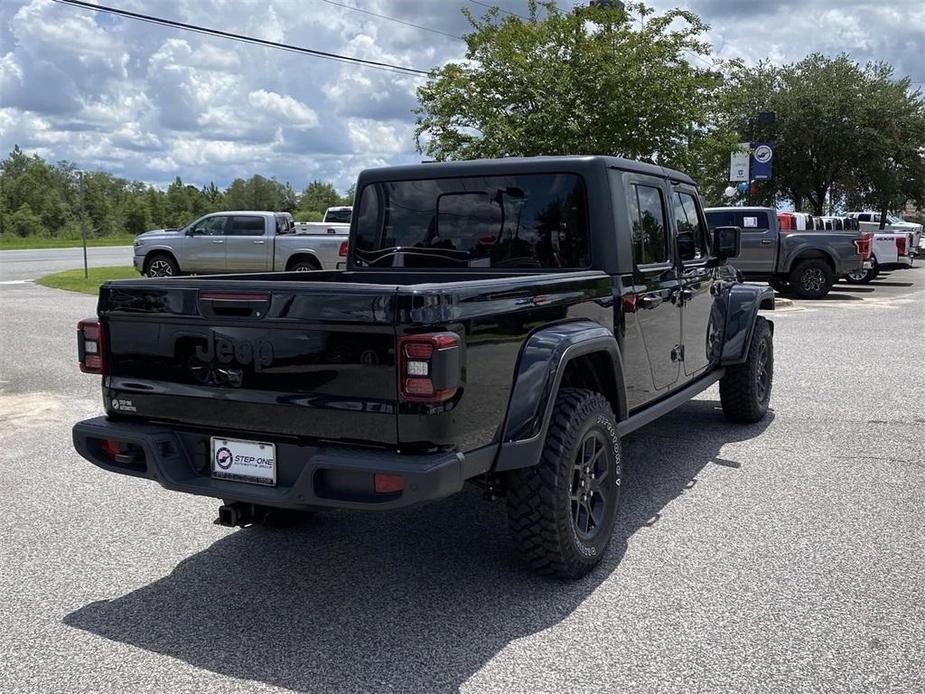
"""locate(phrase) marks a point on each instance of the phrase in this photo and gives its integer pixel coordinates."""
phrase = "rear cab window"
(747, 220)
(537, 221)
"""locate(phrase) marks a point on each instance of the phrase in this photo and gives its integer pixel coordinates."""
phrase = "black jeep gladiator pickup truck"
(502, 322)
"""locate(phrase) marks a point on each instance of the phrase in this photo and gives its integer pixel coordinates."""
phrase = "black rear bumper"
(308, 476)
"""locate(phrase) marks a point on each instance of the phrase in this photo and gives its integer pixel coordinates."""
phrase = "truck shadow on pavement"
(415, 600)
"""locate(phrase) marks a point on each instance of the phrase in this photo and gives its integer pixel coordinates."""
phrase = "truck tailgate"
(244, 357)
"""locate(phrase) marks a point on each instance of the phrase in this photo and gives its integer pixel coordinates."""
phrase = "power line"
(375, 64)
(393, 19)
(500, 9)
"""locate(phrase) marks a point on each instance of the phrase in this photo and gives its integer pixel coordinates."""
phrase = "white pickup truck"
(237, 241)
(336, 220)
(870, 221)
(889, 250)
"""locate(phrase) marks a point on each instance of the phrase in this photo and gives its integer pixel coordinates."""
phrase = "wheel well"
(767, 303)
(595, 372)
(812, 255)
(155, 253)
(303, 256)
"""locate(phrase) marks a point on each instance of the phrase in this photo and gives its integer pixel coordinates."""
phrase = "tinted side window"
(245, 226)
(863, 217)
(691, 234)
(211, 226)
(650, 233)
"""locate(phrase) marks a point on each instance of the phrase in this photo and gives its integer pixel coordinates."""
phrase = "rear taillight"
(900, 245)
(342, 251)
(863, 246)
(428, 367)
(91, 347)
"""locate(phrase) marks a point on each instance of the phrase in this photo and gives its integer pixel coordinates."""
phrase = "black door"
(701, 320)
(655, 280)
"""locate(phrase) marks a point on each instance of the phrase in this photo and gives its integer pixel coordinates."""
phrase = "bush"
(24, 222)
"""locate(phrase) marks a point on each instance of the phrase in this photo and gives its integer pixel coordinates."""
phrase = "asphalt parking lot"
(787, 556)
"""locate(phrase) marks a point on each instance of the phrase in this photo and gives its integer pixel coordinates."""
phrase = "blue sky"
(151, 103)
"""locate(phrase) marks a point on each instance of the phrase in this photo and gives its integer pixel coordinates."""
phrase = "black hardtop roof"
(582, 164)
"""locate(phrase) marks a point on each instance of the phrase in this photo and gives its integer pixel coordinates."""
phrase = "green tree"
(892, 161)
(843, 132)
(585, 81)
(24, 222)
(315, 199)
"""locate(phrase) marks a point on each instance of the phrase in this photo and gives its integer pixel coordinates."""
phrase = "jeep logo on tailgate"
(224, 350)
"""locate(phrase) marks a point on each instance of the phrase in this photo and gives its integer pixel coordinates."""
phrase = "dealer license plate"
(253, 462)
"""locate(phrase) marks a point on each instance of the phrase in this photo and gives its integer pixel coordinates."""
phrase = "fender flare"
(540, 367)
(160, 250)
(303, 252)
(742, 304)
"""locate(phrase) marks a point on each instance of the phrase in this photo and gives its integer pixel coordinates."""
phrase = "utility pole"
(83, 224)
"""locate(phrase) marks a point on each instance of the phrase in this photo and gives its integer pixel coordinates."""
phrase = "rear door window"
(245, 226)
(650, 230)
(691, 232)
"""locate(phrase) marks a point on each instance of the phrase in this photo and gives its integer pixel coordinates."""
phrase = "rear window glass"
(522, 221)
(338, 216)
(749, 220)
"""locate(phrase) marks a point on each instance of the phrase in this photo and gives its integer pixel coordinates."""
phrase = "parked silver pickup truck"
(237, 241)
(805, 263)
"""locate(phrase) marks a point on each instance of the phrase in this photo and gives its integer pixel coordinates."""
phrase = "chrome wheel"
(857, 275)
(160, 268)
(590, 489)
(812, 279)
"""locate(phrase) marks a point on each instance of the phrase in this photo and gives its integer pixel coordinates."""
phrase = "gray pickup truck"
(805, 263)
(237, 241)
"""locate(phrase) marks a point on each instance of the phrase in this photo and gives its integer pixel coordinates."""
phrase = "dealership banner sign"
(738, 163)
(761, 161)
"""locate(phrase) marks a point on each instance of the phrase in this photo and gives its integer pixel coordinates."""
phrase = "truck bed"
(312, 355)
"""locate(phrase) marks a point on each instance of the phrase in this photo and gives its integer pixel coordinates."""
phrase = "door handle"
(218, 241)
(766, 242)
(260, 243)
(650, 301)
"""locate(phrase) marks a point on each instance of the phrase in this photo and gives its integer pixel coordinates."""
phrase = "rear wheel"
(161, 265)
(745, 389)
(812, 278)
(860, 276)
(304, 265)
(561, 511)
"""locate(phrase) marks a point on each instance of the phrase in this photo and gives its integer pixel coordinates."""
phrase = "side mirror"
(726, 241)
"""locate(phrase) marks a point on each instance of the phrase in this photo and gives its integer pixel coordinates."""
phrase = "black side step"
(654, 411)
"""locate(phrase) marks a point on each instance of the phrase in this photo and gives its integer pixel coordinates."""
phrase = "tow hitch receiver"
(237, 513)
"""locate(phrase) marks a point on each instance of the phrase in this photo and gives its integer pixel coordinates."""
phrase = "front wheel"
(812, 278)
(161, 265)
(745, 389)
(561, 511)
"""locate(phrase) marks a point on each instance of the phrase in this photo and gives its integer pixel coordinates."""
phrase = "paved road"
(787, 557)
(31, 264)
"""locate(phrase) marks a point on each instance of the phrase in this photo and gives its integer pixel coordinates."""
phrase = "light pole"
(83, 223)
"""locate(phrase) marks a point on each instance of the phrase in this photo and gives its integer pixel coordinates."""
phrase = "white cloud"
(283, 107)
(152, 103)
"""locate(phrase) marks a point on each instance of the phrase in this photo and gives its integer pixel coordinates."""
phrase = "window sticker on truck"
(750, 222)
